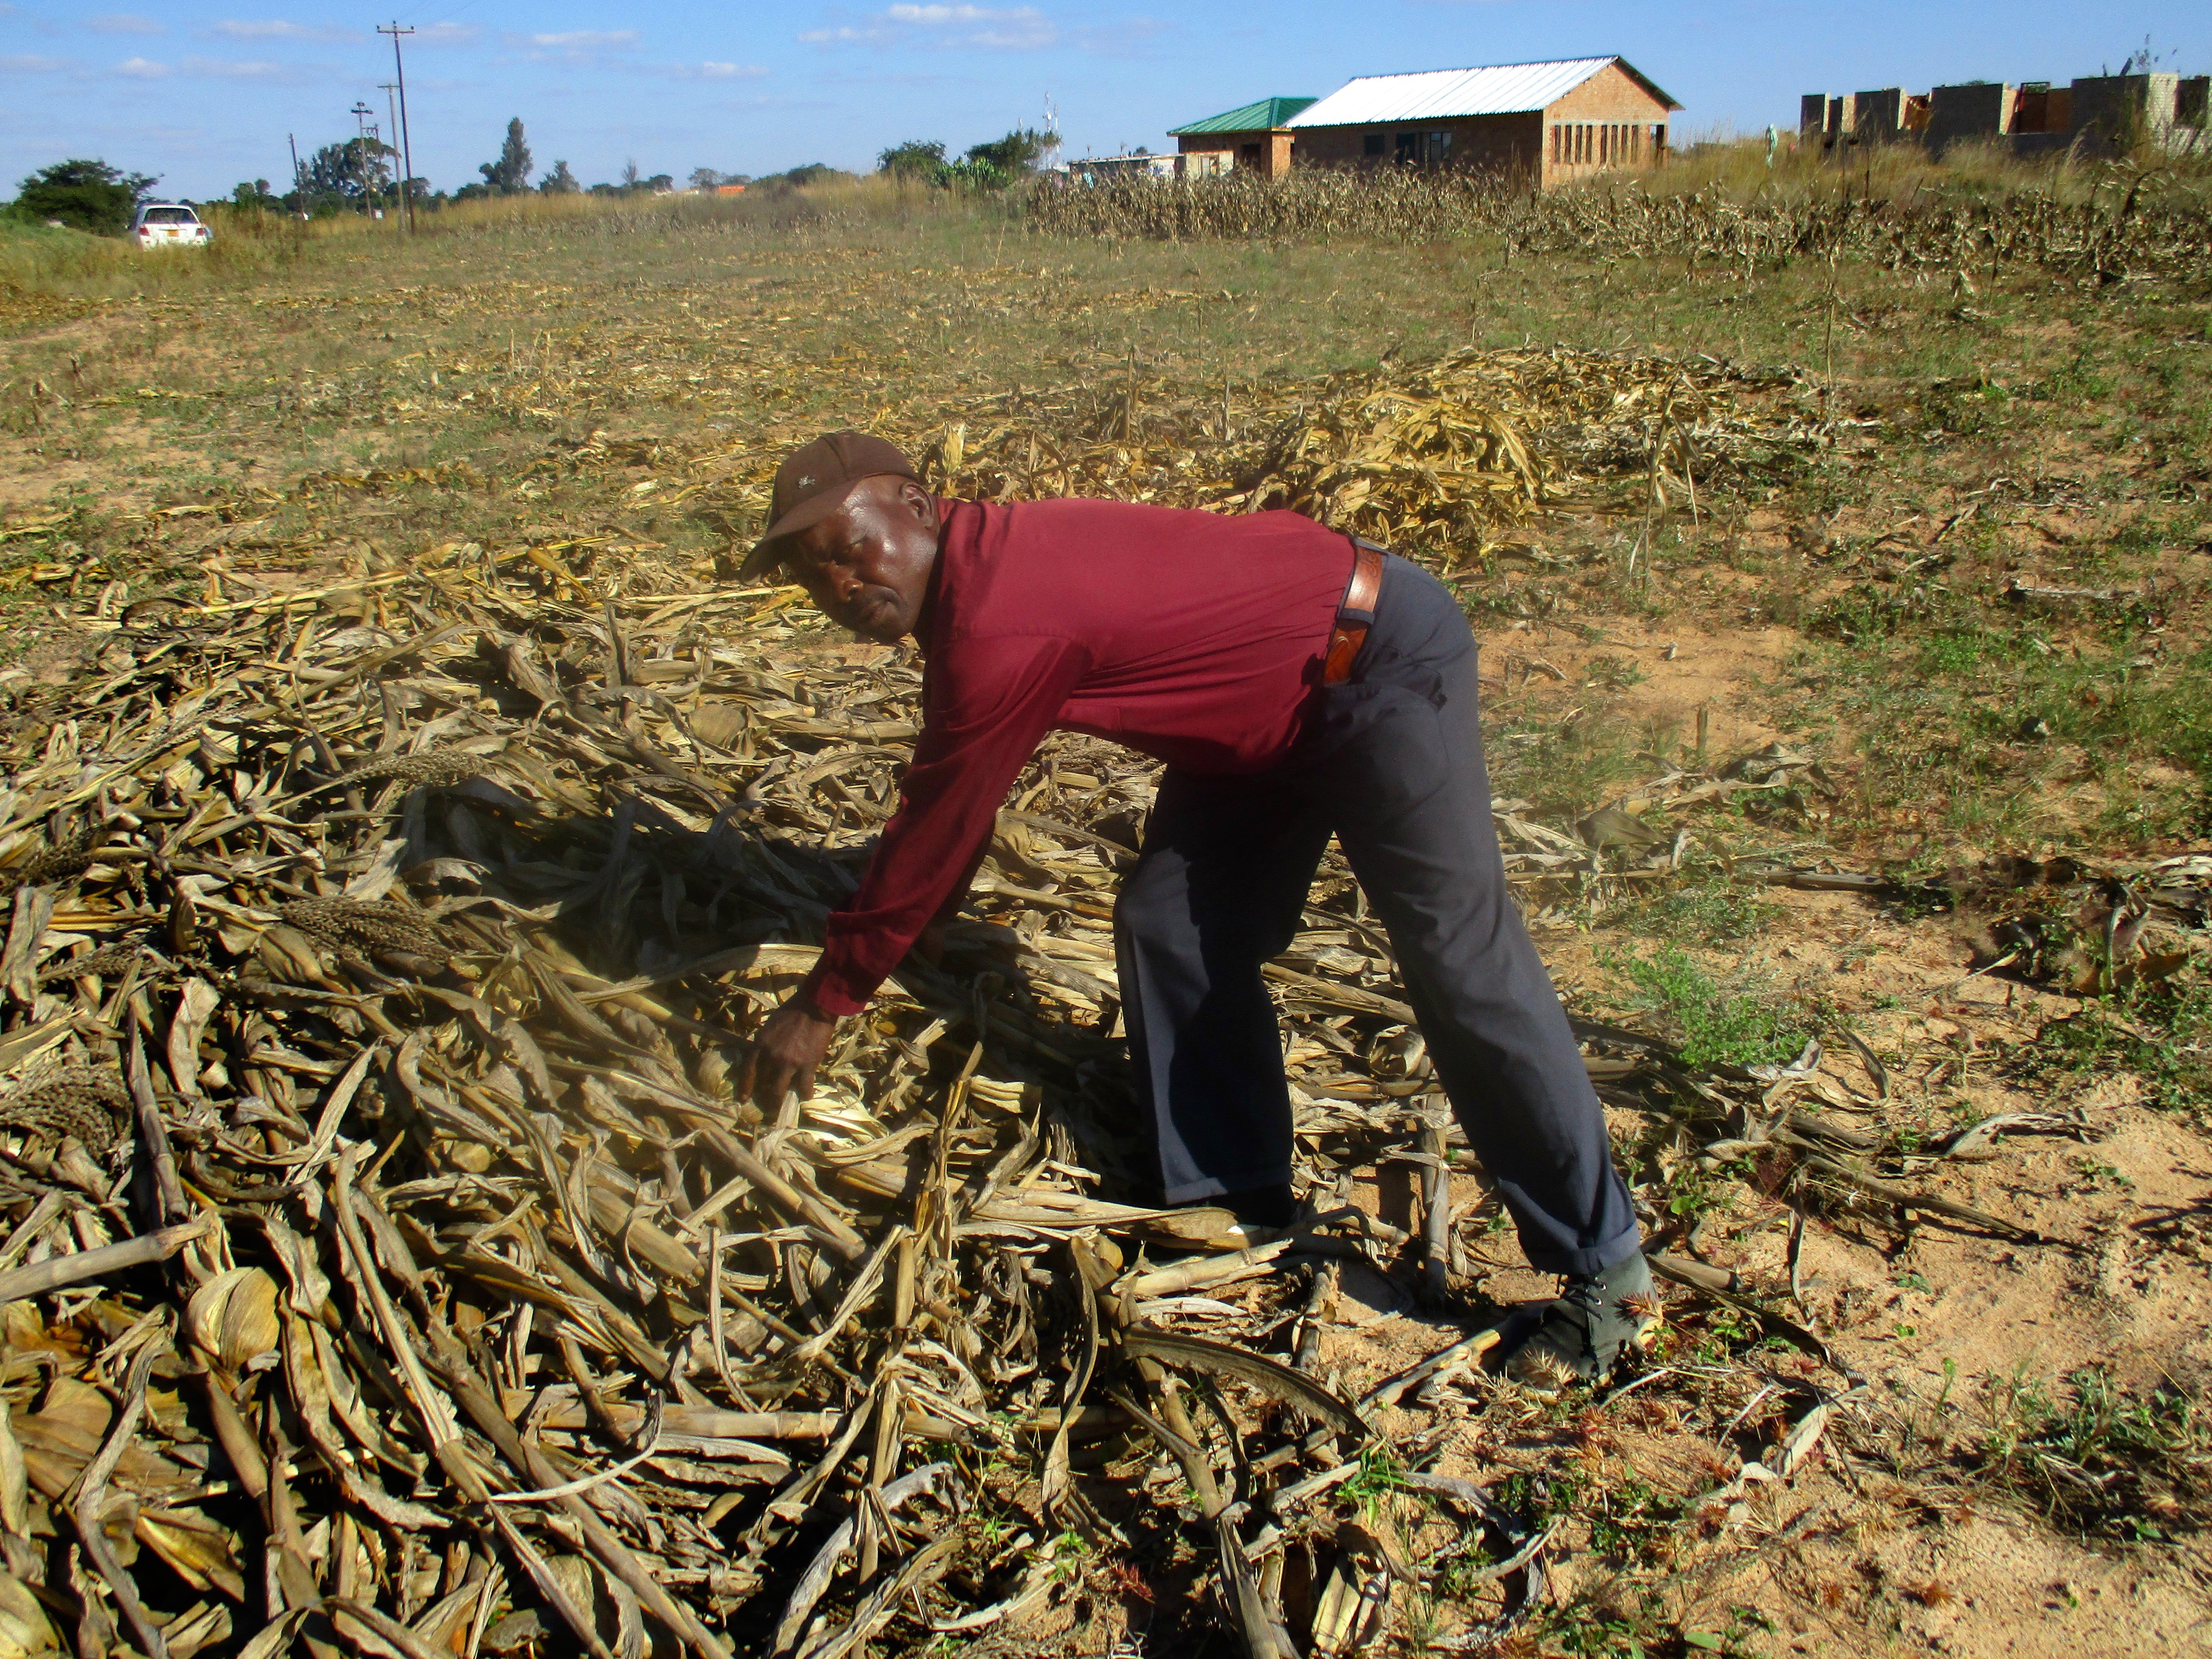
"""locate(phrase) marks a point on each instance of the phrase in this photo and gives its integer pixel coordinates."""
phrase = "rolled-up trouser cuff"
(1592, 1260)
(1192, 1192)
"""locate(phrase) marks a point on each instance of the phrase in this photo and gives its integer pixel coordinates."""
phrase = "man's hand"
(786, 1050)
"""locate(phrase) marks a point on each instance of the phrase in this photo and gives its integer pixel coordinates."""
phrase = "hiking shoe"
(1580, 1337)
(1260, 1207)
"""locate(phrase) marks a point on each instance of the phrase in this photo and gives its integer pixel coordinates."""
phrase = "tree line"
(361, 175)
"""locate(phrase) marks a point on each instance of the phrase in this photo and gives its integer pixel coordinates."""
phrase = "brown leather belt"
(1355, 614)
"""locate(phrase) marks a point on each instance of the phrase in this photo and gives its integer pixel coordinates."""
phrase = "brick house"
(1254, 137)
(1545, 123)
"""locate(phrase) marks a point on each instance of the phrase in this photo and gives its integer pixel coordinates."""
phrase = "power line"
(406, 149)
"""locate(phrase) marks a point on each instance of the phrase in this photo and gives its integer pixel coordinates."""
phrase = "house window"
(1555, 143)
(1438, 149)
(1371, 144)
(1248, 155)
(1409, 149)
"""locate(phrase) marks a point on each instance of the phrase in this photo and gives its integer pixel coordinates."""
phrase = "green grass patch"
(1713, 911)
(2162, 1033)
(1736, 1021)
(2099, 1456)
(2008, 726)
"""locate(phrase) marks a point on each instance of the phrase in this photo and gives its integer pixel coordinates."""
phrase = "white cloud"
(1011, 28)
(140, 69)
(230, 71)
(586, 40)
(444, 34)
(125, 22)
(581, 47)
(278, 29)
(32, 63)
(711, 72)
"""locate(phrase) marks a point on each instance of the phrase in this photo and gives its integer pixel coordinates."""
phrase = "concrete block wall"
(1813, 116)
(1878, 118)
(1981, 110)
(2107, 110)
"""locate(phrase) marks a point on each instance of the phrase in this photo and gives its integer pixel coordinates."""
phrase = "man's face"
(866, 565)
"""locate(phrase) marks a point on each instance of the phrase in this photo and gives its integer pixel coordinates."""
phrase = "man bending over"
(1295, 682)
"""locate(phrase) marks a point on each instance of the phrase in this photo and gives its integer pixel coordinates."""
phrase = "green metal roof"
(1247, 118)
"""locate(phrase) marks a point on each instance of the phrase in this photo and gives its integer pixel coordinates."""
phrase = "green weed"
(1381, 1472)
(2162, 1034)
(1715, 911)
(2099, 1456)
(1714, 1024)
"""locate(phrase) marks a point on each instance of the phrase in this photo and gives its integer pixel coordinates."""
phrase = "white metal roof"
(1438, 95)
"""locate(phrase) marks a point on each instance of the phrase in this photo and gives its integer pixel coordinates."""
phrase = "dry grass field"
(1867, 583)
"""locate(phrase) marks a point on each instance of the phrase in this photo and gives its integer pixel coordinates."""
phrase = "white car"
(169, 224)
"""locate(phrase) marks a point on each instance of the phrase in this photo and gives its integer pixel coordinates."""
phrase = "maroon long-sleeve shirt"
(1192, 637)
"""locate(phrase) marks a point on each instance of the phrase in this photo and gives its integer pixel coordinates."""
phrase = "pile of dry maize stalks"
(1441, 459)
(389, 1267)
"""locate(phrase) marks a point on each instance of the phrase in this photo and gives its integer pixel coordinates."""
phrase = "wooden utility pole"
(361, 112)
(391, 111)
(406, 149)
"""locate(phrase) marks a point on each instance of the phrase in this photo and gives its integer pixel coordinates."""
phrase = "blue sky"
(203, 95)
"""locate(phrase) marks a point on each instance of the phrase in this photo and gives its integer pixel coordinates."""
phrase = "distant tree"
(560, 182)
(83, 195)
(248, 195)
(660, 184)
(511, 172)
(1016, 154)
(352, 171)
(630, 176)
(920, 160)
(705, 177)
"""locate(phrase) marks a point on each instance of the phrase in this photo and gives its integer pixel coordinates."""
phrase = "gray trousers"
(1391, 762)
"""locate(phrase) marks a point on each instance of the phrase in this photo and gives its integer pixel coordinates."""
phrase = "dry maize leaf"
(444, 1624)
(15, 1482)
(60, 1437)
(198, 1000)
(25, 1630)
(232, 1319)
(289, 955)
(198, 1629)
(202, 1553)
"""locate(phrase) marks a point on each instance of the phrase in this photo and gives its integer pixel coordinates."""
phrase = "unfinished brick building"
(2098, 114)
(1545, 123)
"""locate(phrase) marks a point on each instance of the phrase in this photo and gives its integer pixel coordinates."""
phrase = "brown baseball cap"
(812, 483)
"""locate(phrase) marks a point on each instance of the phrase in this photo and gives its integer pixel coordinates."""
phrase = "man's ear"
(919, 502)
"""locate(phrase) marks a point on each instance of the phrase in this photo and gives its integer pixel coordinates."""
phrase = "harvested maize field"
(405, 815)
